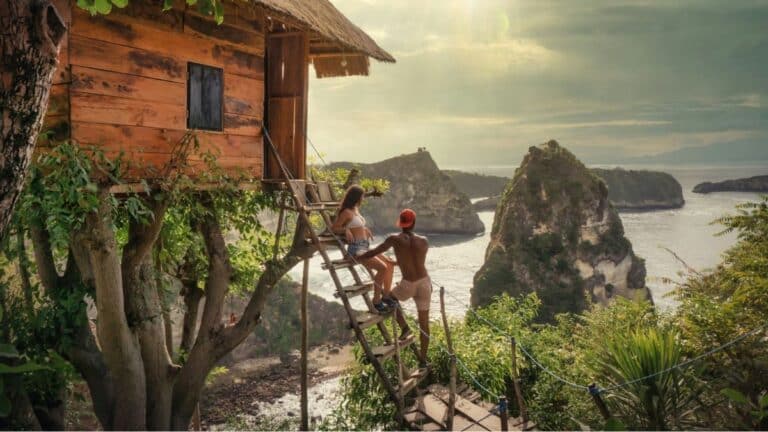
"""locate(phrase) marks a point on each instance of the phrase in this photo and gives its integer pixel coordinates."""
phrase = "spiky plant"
(646, 391)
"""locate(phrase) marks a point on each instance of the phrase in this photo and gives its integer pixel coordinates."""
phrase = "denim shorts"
(358, 247)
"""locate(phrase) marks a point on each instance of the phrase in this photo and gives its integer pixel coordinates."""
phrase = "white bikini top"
(357, 221)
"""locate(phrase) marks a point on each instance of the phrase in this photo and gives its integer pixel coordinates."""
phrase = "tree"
(32, 31)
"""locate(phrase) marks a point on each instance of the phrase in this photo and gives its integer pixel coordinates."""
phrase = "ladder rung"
(355, 290)
(339, 264)
(367, 319)
(413, 380)
(324, 239)
(386, 351)
(321, 206)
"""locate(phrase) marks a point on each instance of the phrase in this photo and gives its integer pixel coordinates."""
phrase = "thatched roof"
(323, 18)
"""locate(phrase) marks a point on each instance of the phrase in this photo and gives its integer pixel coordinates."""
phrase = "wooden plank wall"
(128, 74)
(56, 120)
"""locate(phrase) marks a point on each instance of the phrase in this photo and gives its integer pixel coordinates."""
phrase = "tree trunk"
(31, 32)
(118, 344)
(145, 314)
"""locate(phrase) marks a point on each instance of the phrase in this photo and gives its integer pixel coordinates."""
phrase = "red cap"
(407, 218)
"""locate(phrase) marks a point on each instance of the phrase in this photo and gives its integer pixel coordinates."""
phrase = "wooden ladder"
(310, 197)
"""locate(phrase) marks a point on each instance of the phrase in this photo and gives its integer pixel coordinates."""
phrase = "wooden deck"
(430, 412)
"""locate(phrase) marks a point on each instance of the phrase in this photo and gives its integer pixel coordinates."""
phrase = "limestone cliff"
(751, 184)
(641, 190)
(416, 182)
(556, 233)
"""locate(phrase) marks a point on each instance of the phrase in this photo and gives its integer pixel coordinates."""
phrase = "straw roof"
(322, 17)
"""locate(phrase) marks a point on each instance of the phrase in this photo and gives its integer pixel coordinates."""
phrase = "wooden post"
(601, 406)
(304, 343)
(400, 395)
(279, 230)
(452, 385)
(503, 413)
(516, 384)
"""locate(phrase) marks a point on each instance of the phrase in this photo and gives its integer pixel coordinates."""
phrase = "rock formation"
(641, 190)
(751, 184)
(416, 182)
(556, 233)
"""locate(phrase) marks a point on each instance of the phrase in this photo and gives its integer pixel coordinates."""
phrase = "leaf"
(102, 6)
(735, 396)
(219, 12)
(5, 405)
(167, 5)
(120, 3)
(613, 424)
(26, 367)
(8, 351)
(764, 401)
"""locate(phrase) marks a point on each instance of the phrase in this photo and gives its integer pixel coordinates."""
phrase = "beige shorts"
(420, 291)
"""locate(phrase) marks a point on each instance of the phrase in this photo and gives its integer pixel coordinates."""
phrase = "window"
(205, 97)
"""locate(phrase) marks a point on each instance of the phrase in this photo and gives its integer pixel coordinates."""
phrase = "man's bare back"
(411, 252)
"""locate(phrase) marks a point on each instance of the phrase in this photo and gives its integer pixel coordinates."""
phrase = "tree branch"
(142, 236)
(41, 242)
(219, 269)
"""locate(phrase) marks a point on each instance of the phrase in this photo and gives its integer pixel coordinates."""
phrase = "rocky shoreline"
(263, 393)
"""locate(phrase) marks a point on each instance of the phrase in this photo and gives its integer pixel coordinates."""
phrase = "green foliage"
(717, 306)
(214, 8)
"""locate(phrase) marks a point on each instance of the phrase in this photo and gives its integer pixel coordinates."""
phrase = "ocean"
(453, 260)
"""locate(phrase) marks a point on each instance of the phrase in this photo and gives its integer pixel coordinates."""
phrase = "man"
(411, 252)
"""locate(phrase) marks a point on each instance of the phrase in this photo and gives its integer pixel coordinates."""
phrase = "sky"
(477, 82)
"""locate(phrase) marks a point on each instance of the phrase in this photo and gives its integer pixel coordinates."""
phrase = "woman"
(350, 222)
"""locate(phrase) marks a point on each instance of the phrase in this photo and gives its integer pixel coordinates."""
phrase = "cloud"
(482, 80)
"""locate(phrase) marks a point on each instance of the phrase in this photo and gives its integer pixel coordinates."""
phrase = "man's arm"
(378, 249)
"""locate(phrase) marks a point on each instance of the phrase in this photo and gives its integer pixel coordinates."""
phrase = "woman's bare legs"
(382, 278)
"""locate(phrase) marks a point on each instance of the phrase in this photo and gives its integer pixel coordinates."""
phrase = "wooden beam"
(304, 344)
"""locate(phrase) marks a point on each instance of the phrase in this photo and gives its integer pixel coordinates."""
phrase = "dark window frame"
(220, 71)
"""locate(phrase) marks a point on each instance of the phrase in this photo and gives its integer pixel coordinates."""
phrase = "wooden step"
(355, 290)
(411, 381)
(326, 239)
(367, 319)
(384, 352)
(339, 264)
(322, 206)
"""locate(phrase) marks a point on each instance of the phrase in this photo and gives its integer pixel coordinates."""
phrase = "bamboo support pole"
(304, 344)
(452, 382)
(601, 406)
(516, 384)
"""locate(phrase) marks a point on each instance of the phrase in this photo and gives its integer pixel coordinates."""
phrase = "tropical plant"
(647, 389)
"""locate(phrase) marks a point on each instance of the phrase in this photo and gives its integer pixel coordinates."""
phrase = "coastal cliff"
(417, 183)
(556, 233)
(627, 189)
(641, 190)
(751, 184)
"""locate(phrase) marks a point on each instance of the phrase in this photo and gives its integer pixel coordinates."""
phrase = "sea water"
(453, 260)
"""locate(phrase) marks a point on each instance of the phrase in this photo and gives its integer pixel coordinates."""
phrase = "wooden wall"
(122, 83)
